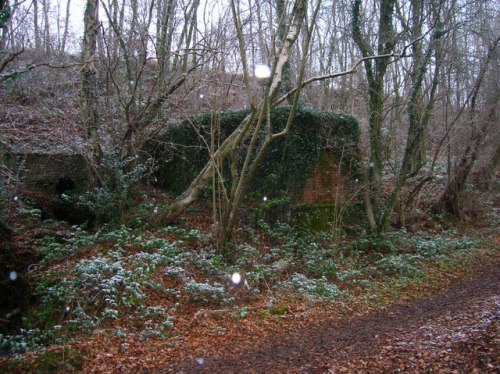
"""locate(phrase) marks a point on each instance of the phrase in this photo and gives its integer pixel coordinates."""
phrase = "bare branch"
(9, 58)
(353, 70)
(27, 69)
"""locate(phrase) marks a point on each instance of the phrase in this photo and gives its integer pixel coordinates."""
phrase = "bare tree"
(46, 27)
(38, 43)
(252, 124)
(143, 82)
(479, 124)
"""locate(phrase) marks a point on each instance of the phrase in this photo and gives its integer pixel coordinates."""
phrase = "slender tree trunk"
(36, 30)
(286, 84)
(5, 16)
(195, 188)
(46, 28)
(418, 118)
(66, 28)
(254, 158)
(89, 90)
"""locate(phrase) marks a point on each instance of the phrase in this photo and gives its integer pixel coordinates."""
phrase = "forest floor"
(445, 320)
(448, 324)
(456, 331)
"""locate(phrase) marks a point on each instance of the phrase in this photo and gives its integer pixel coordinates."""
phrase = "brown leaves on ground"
(456, 331)
(452, 331)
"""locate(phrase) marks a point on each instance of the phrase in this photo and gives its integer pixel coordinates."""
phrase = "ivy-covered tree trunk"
(375, 71)
(419, 113)
(286, 84)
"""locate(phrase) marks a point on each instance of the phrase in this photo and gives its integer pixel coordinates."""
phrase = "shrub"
(204, 292)
(313, 289)
(109, 202)
(53, 250)
(380, 243)
(397, 265)
(29, 339)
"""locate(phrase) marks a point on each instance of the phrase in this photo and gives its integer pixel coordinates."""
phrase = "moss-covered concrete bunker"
(317, 163)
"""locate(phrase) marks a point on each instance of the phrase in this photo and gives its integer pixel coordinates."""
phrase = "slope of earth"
(455, 331)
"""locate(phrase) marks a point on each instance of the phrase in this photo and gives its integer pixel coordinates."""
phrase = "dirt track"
(452, 332)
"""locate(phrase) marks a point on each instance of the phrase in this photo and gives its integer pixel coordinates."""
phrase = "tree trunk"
(5, 16)
(375, 74)
(36, 30)
(418, 117)
(193, 191)
(449, 200)
(490, 169)
(46, 28)
(249, 126)
(89, 91)
(66, 28)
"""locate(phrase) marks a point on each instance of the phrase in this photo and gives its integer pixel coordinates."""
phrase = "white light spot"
(67, 309)
(200, 361)
(262, 71)
(372, 164)
(202, 96)
(357, 180)
(12, 276)
(236, 278)
(155, 210)
(15, 198)
(264, 198)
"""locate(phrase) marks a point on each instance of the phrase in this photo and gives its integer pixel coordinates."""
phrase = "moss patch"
(319, 217)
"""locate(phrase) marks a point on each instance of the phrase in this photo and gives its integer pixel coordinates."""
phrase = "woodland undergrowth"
(135, 281)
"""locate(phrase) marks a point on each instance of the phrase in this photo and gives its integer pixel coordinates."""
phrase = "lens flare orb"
(236, 278)
(262, 71)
